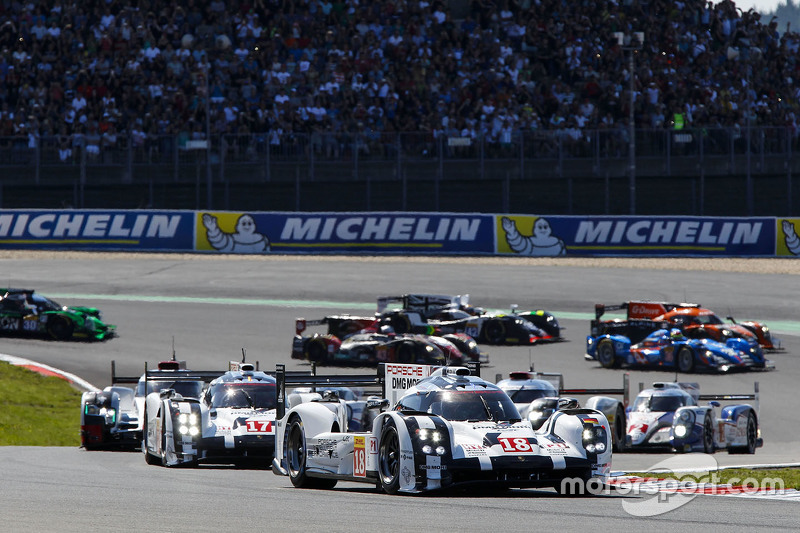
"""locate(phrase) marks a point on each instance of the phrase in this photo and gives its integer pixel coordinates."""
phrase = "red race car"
(700, 323)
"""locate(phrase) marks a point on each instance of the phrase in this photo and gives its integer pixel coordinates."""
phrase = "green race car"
(25, 312)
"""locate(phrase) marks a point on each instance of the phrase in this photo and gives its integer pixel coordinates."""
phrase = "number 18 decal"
(516, 444)
(359, 456)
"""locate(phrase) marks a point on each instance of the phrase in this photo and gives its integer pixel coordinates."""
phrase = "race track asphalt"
(209, 308)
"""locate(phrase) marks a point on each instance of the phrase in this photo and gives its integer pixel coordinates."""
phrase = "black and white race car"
(229, 421)
(538, 395)
(449, 428)
(112, 417)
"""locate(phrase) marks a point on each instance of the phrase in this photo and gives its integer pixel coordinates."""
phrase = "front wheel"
(752, 436)
(148, 457)
(606, 354)
(708, 436)
(619, 430)
(296, 459)
(60, 328)
(685, 359)
(389, 459)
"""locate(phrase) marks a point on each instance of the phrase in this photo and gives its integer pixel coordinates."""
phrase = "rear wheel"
(494, 331)
(296, 459)
(60, 328)
(606, 354)
(389, 459)
(685, 359)
(405, 352)
(317, 350)
(400, 324)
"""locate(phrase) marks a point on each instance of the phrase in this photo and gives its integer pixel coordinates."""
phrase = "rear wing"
(336, 323)
(640, 308)
(285, 379)
(390, 379)
(423, 303)
(694, 390)
(557, 380)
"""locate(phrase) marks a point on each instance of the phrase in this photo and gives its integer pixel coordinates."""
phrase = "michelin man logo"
(792, 241)
(542, 242)
(244, 240)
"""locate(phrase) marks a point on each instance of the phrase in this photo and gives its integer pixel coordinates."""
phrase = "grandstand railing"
(391, 155)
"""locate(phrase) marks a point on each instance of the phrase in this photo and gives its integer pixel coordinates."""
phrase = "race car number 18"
(359, 456)
(516, 444)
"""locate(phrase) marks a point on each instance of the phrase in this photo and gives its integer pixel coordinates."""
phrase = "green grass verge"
(37, 410)
(767, 477)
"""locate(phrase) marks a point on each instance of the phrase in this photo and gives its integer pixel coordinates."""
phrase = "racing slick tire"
(619, 430)
(317, 350)
(60, 328)
(708, 435)
(494, 331)
(400, 323)
(389, 459)
(606, 354)
(752, 437)
(406, 353)
(296, 459)
(685, 359)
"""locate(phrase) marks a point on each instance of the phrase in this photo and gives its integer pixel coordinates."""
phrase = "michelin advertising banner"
(97, 230)
(651, 236)
(391, 232)
(427, 233)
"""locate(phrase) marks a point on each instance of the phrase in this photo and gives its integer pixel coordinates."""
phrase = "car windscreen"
(245, 395)
(524, 395)
(470, 405)
(45, 304)
(660, 404)
(188, 388)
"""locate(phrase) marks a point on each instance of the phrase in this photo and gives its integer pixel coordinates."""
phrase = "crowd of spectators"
(101, 70)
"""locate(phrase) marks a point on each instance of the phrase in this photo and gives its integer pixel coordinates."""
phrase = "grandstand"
(517, 105)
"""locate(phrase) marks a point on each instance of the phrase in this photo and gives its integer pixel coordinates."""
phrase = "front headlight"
(594, 439)
(681, 431)
(431, 435)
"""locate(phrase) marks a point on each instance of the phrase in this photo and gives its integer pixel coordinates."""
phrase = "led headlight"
(427, 449)
(680, 431)
(594, 439)
(440, 450)
(183, 418)
(183, 430)
(429, 435)
(193, 431)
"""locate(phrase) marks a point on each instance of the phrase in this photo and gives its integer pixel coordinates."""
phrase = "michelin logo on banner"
(531, 235)
(74, 229)
(351, 232)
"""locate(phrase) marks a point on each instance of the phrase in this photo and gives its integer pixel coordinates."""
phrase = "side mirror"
(714, 403)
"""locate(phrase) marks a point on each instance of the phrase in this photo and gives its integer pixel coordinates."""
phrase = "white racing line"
(48, 370)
